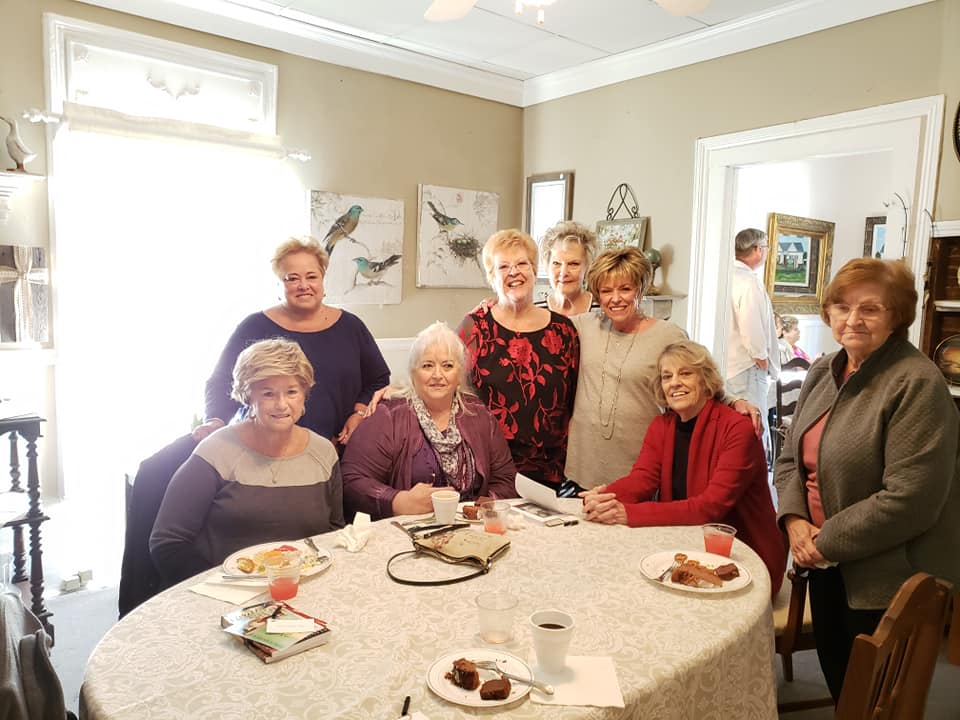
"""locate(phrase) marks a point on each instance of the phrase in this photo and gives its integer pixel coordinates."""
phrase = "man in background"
(752, 354)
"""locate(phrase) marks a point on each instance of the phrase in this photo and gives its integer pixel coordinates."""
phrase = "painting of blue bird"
(373, 270)
(341, 228)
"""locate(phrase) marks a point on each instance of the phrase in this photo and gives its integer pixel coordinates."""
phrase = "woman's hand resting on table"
(802, 535)
(603, 507)
(414, 501)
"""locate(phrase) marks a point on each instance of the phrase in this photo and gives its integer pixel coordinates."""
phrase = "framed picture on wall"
(615, 234)
(798, 265)
(875, 236)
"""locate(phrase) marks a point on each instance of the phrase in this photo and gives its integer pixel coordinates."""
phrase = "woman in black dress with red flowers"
(523, 361)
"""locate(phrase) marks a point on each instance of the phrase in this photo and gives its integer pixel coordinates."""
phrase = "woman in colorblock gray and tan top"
(263, 479)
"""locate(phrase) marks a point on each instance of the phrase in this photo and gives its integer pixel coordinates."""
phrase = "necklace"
(606, 426)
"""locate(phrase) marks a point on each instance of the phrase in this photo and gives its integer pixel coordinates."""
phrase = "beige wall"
(643, 131)
(368, 134)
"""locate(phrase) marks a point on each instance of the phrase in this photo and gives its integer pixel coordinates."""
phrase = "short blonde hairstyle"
(696, 357)
(788, 323)
(439, 335)
(506, 239)
(278, 357)
(893, 276)
(626, 262)
(293, 245)
(573, 233)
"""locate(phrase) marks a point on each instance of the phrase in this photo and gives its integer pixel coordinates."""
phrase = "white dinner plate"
(653, 566)
(313, 563)
(471, 698)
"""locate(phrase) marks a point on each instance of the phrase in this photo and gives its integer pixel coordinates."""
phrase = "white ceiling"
(497, 54)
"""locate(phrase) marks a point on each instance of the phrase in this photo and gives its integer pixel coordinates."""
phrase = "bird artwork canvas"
(364, 239)
(452, 226)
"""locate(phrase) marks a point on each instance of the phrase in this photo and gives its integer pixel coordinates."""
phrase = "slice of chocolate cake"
(495, 689)
(728, 572)
(464, 674)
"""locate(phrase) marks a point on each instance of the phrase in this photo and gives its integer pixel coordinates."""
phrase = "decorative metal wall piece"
(24, 295)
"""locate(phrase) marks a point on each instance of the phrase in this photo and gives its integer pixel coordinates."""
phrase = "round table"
(677, 655)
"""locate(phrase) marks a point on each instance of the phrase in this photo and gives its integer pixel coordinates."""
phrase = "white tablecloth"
(677, 655)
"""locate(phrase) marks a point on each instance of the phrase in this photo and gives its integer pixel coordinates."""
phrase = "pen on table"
(276, 613)
(406, 707)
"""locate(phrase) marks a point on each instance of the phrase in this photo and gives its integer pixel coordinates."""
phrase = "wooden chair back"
(787, 393)
(889, 672)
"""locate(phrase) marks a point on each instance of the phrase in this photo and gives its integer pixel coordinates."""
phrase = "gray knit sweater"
(887, 469)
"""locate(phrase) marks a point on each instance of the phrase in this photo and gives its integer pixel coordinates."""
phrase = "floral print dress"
(528, 380)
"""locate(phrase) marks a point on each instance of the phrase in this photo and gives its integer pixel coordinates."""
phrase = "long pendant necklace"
(606, 426)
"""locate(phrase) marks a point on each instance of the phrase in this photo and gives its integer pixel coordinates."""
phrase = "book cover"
(250, 624)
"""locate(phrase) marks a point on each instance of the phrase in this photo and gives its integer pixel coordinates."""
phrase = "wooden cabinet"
(941, 306)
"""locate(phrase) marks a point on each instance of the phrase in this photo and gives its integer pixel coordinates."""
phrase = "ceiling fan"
(445, 10)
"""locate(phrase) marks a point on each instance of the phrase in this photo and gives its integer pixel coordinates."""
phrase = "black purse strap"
(449, 581)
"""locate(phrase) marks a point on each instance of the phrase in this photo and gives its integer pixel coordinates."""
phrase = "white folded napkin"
(238, 593)
(585, 681)
(353, 537)
(414, 716)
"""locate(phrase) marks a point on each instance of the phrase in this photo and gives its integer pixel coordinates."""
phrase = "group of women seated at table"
(609, 404)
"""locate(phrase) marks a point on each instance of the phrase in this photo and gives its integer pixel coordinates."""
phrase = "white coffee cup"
(551, 630)
(445, 505)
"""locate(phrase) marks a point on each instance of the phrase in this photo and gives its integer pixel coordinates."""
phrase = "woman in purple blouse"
(431, 434)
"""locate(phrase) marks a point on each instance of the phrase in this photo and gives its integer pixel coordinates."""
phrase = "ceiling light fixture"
(539, 4)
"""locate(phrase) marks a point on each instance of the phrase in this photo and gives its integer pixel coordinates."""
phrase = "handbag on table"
(453, 544)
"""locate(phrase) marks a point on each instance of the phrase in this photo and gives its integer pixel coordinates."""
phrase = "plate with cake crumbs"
(454, 677)
(249, 561)
(695, 571)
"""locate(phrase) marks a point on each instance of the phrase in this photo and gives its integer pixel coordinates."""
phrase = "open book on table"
(250, 624)
(541, 504)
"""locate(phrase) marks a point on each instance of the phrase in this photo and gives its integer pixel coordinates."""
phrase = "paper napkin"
(585, 681)
(353, 537)
(414, 716)
(239, 593)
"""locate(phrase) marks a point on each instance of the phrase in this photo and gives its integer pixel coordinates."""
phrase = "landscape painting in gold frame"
(798, 265)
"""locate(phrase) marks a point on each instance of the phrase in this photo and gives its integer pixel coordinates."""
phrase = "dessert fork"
(491, 665)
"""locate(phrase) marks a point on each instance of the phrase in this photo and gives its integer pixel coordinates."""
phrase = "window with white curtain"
(164, 233)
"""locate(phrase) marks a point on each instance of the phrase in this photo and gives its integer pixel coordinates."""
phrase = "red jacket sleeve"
(644, 477)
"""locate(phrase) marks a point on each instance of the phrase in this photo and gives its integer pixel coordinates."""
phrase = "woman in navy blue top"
(347, 363)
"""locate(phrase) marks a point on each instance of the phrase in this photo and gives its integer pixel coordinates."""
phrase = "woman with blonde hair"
(701, 462)
(570, 248)
(262, 479)
(523, 360)
(343, 353)
(433, 433)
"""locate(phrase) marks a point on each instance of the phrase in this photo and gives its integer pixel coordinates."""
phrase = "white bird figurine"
(20, 153)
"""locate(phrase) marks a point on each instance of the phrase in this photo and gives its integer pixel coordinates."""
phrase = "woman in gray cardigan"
(867, 481)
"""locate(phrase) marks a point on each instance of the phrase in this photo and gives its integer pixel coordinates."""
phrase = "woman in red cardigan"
(704, 460)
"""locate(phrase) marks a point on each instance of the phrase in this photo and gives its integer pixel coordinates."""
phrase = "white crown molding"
(781, 23)
(946, 228)
(262, 27)
(260, 24)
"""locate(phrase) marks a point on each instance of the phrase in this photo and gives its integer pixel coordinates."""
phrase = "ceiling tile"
(480, 35)
(610, 25)
(552, 53)
(386, 17)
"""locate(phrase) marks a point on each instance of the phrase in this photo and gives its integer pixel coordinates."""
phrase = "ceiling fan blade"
(445, 10)
(683, 7)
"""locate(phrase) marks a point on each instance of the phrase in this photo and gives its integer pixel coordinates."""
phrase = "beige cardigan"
(887, 469)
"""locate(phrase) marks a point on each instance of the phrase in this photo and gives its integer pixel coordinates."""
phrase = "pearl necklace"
(607, 425)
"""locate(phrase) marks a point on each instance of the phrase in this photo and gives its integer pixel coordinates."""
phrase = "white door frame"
(716, 160)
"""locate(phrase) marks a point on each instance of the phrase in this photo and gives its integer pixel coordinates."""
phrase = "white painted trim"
(62, 33)
(262, 24)
(716, 157)
(946, 228)
(268, 29)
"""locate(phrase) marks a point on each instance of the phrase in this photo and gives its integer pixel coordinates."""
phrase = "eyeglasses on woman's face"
(521, 266)
(866, 311)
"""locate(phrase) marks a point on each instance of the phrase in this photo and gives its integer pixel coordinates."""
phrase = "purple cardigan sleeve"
(217, 400)
(368, 466)
(181, 518)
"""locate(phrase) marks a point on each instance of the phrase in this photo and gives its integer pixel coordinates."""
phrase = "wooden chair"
(953, 640)
(793, 632)
(787, 393)
(889, 672)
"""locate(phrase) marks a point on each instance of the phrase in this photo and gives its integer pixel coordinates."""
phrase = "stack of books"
(273, 630)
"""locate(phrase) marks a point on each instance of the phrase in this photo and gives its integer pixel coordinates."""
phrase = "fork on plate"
(491, 665)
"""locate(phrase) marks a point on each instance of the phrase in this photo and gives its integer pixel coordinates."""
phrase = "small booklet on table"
(250, 624)
(542, 505)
